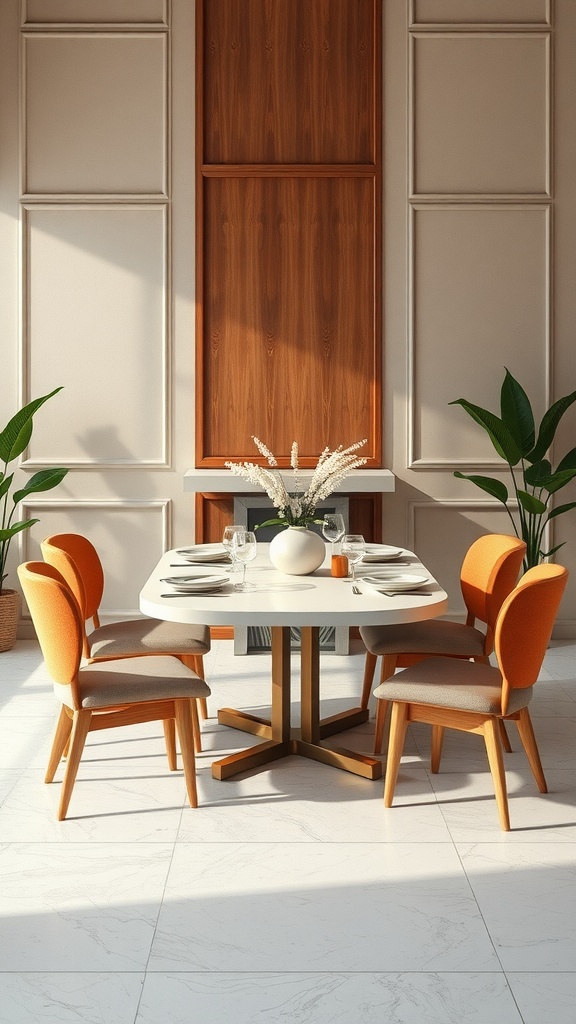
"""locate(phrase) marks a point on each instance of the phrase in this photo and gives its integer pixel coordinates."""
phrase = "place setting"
(209, 584)
(393, 584)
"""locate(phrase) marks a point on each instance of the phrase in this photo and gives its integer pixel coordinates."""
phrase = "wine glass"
(245, 551)
(228, 542)
(353, 546)
(333, 528)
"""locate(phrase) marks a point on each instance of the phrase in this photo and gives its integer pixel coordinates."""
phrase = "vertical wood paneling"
(288, 227)
(300, 75)
(289, 314)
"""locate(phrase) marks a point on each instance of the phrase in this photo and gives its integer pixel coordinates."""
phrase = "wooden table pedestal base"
(280, 739)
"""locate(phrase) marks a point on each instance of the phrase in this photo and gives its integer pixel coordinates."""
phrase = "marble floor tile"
(295, 800)
(128, 805)
(65, 998)
(544, 996)
(80, 906)
(527, 896)
(468, 806)
(329, 998)
(298, 907)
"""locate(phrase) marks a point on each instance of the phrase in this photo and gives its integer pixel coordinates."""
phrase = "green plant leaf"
(16, 434)
(43, 481)
(559, 480)
(270, 522)
(561, 509)
(497, 431)
(548, 427)
(5, 485)
(17, 528)
(537, 474)
(568, 462)
(516, 413)
(530, 503)
(547, 554)
(494, 487)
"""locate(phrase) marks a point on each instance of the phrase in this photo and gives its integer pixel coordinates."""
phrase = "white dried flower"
(299, 508)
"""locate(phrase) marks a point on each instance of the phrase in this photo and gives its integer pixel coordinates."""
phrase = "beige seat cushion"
(433, 636)
(444, 682)
(148, 636)
(133, 680)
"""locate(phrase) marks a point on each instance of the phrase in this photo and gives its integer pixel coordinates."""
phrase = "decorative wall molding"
(165, 339)
(414, 460)
(161, 508)
(141, 14)
(478, 18)
(163, 104)
(529, 195)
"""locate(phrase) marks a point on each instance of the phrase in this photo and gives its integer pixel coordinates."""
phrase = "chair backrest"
(57, 620)
(489, 572)
(525, 624)
(77, 560)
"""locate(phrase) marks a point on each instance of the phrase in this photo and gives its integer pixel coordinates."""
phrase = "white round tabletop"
(318, 599)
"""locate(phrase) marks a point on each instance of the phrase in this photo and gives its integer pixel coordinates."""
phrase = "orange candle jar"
(339, 566)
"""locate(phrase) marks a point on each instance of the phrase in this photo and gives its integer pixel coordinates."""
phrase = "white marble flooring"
(290, 895)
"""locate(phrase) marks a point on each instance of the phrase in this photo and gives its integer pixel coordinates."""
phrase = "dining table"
(281, 602)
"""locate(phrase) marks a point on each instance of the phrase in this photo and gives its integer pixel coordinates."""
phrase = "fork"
(355, 589)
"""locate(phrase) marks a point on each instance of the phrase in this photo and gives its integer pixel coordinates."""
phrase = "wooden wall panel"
(304, 70)
(288, 227)
(289, 315)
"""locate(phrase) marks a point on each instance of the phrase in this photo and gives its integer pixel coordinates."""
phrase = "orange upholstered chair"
(489, 572)
(77, 560)
(103, 695)
(471, 697)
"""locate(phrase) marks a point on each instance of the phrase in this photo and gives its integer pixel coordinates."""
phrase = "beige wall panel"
(480, 301)
(94, 11)
(129, 536)
(95, 310)
(467, 12)
(95, 113)
(442, 532)
(481, 113)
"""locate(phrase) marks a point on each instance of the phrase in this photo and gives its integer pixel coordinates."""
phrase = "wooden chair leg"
(398, 726)
(183, 713)
(170, 737)
(496, 761)
(369, 667)
(80, 730)
(436, 748)
(196, 663)
(504, 736)
(59, 743)
(197, 732)
(381, 709)
(528, 738)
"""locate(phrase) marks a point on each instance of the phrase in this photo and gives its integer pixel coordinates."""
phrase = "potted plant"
(534, 481)
(13, 440)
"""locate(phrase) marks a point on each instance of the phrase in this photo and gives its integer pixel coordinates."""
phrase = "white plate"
(380, 553)
(204, 553)
(195, 584)
(396, 582)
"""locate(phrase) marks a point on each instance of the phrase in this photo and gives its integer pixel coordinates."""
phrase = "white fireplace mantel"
(222, 481)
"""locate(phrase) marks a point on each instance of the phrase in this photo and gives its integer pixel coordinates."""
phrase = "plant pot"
(297, 551)
(9, 617)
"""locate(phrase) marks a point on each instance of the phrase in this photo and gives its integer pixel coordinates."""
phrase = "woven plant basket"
(9, 616)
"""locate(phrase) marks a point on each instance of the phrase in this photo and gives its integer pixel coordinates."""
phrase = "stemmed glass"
(333, 528)
(245, 551)
(228, 541)
(353, 546)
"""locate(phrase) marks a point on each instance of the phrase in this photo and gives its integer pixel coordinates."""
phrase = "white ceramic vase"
(297, 551)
